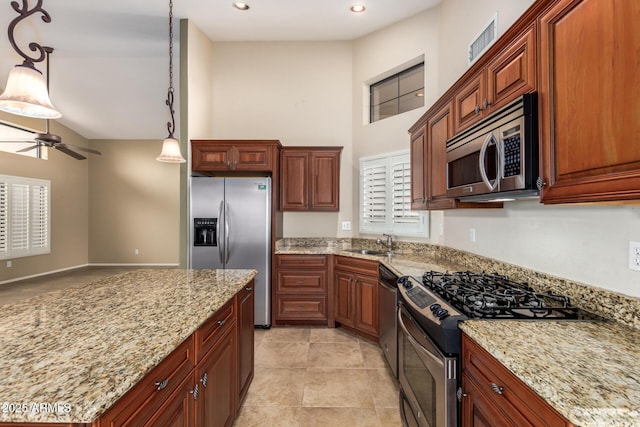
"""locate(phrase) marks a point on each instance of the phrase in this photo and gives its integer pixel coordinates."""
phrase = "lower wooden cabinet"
(300, 290)
(203, 381)
(245, 300)
(355, 294)
(494, 396)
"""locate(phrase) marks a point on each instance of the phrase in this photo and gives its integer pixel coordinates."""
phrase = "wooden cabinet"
(419, 174)
(203, 381)
(154, 391)
(495, 396)
(356, 295)
(300, 291)
(245, 301)
(509, 74)
(589, 101)
(209, 156)
(310, 179)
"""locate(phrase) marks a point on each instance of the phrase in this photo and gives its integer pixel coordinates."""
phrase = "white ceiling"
(109, 70)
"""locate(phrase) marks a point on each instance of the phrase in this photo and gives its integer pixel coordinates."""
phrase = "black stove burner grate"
(482, 295)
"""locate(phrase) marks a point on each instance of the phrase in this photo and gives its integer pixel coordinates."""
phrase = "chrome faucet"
(389, 243)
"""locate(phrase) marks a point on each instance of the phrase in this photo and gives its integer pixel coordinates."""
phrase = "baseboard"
(172, 265)
(46, 273)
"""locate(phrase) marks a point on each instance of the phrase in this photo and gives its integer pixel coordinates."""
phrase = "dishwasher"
(388, 306)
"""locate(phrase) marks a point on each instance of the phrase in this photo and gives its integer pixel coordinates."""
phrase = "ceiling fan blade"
(71, 153)
(24, 150)
(88, 150)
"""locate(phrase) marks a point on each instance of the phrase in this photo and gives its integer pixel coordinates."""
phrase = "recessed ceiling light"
(357, 8)
(419, 94)
(241, 6)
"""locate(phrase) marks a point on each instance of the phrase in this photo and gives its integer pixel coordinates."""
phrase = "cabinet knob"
(248, 288)
(161, 384)
(486, 104)
(541, 183)
(460, 394)
(477, 110)
(204, 380)
(194, 392)
(221, 322)
(496, 388)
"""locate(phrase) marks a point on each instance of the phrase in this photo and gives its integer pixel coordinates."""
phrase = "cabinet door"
(478, 410)
(246, 299)
(343, 305)
(589, 95)
(439, 129)
(211, 156)
(366, 301)
(252, 157)
(294, 184)
(513, 72)
(216, 377)
(325, 180)
(419, 169)
(178, 410)
(470, 102)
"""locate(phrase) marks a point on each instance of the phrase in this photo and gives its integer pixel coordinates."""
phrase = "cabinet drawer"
(356, 265)
(142, 401)
(212, 330)
(301, 281)
(488, 374)
(301, 308)
(302, 261)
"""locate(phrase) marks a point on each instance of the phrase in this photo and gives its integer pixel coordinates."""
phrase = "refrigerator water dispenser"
(204, 232)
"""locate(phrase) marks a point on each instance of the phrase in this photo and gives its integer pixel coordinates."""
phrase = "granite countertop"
(586, 370)
(82, 348)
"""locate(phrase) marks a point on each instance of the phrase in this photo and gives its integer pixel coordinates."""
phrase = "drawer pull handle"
(161, 384)
(248, 288)
(497, 388)
(194, 392)
(221, 322)
(204, 380)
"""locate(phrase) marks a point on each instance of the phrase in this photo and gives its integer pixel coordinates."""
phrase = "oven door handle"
(416, 344)
(481, 161)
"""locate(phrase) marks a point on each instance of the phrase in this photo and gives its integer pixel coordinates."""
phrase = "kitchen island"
(68, 356)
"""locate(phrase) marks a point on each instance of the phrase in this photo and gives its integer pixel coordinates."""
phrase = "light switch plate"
(634, 256)
(346, 225)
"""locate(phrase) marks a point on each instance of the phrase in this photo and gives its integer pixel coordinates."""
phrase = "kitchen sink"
(370, 252)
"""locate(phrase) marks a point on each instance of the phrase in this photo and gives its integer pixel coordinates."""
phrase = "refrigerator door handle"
(220, 218)
(226, 233)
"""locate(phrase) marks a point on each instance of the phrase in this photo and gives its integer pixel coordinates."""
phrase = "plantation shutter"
(4, 219)
(401, 187)
(374, 189)
(19, 219)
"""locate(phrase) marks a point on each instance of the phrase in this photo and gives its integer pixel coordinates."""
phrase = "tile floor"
(306, 376)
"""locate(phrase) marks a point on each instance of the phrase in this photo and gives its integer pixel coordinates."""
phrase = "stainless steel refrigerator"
(231, 228)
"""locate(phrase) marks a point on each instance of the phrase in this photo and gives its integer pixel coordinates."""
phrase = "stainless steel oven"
(428, 377)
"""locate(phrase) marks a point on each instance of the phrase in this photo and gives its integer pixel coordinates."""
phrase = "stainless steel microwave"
(498, 157)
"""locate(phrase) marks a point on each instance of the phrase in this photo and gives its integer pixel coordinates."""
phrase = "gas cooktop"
(494, 296)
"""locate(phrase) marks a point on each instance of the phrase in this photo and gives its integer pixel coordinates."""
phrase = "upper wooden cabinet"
(590, 101)
(234, 155)
(310, 179)
(509, 74)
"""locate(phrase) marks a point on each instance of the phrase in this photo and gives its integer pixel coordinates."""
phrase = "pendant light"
(170, 146)
(26, 92)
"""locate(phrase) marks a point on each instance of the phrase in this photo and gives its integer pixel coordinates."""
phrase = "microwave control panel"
(511, 148)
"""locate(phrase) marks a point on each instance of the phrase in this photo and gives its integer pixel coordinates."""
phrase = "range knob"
(434, 307)
(442, 313)
(404, 280)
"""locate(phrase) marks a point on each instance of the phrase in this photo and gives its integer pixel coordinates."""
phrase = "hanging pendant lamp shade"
(170, 152)
(26, 94)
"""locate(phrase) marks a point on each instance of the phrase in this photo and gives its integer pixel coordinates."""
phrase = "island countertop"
(69, 355)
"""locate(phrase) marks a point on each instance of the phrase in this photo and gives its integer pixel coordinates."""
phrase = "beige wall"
(297, 92)
(69, 207)
(133, 204)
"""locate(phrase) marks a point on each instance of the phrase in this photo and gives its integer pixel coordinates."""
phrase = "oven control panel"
(423, 300)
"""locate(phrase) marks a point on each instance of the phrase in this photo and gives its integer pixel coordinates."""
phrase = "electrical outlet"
(472, 235)
(346, 225)
(9, 264)
(136, 252)
(634, 256)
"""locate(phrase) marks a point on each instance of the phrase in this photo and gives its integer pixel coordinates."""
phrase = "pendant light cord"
(171, 126)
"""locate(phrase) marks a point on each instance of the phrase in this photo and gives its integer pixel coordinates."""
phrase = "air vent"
(484, 40)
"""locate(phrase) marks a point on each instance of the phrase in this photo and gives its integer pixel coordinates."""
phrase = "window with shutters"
(24, 216)
(385, 197)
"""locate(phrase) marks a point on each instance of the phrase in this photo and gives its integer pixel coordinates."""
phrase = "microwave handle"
(483, 153)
